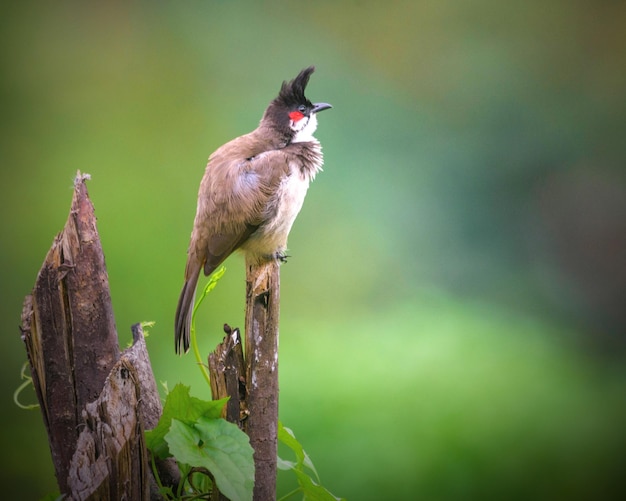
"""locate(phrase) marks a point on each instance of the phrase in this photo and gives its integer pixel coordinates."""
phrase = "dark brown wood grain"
(95, 402)
(228, 373)
(69, 329)
(262, 312)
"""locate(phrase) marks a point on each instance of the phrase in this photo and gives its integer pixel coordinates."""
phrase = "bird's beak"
(320, 106)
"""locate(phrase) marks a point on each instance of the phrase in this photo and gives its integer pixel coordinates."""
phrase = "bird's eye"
(301, 108)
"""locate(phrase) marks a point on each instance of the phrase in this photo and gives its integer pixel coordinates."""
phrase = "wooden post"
(262, 311)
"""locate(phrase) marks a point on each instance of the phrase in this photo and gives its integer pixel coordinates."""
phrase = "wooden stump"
(95, 402)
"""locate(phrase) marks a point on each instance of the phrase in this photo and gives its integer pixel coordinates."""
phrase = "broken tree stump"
(71, 296)
(95, 403)
(227, 375)
(227, 371)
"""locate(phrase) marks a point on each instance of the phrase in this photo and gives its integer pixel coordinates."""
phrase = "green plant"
(207, 448)
(310, 488)
(211, 451)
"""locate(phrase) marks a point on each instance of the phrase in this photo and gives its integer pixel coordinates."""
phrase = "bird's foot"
(281, 256)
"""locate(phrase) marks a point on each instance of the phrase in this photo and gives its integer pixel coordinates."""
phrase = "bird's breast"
(281, 212)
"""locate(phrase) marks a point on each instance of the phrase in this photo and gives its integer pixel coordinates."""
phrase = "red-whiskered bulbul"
(252, 191)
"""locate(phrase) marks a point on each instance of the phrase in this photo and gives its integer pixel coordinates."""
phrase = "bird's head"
(291, 113)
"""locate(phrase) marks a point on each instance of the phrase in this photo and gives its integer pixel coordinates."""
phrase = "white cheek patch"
(304, 129)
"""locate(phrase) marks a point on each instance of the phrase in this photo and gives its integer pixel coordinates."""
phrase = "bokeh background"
(452, 319)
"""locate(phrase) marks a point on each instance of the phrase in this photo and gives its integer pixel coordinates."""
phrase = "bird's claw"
(282, 257)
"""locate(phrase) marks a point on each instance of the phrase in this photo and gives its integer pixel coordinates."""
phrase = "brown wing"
(234, 198)
(220, 246)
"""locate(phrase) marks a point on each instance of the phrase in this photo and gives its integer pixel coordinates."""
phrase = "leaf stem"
(289, 494)
(194, 342)
(16, 394)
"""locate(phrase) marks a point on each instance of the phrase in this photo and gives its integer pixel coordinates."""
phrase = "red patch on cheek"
(296, 116)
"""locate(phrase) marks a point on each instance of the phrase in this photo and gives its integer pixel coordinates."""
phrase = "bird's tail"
(184, 311)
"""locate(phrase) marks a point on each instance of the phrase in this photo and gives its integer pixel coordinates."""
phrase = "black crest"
(292, 93)
(290, 97)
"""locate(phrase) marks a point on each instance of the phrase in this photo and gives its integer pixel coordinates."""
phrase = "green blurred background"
(452, 319)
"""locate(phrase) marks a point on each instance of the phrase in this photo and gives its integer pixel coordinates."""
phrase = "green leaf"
(219, 446)
(183, 407)
(311, 489)
(211, 284)
(283, 464)
(213, 279)
(287, 437)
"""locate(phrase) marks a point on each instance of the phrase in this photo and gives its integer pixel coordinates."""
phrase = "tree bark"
(95, 403)
(228, 379)
(261, 425)
(69, 329)
(110, 461)
(228, 376)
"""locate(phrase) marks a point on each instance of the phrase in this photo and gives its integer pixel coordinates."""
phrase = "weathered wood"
(150, 407)
(137, 355)
(227, 374)
(262, 312)
(227, 371)
(95, 404)
(69, 329)
(110, 460)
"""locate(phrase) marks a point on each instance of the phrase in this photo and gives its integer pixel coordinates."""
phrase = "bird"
(251, 192)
